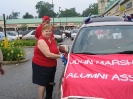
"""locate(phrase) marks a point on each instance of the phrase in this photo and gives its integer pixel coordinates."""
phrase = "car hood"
(101, 76)
(56, 35)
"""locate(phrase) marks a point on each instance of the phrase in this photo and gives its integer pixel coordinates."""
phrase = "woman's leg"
(49, 88)
(41, 90)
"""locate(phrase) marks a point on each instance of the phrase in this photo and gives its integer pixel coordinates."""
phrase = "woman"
(44, 62)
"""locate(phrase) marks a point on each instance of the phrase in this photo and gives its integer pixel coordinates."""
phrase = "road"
(17, 82)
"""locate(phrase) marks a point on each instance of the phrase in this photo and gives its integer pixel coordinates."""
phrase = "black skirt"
(43, 75)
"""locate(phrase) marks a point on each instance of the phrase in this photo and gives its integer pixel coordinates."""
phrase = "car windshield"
(57, 31)
(75, 31)
(104, 40)
(20, 32)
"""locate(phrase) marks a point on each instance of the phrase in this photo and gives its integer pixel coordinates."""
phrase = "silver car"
(100, 48)
(2, 36)
(74, 33)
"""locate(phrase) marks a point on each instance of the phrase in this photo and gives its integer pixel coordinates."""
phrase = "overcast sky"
(23, 6)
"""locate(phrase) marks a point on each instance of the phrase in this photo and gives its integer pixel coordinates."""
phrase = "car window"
(26, 32)
(75, 31)
(104, 39)
(12, 34)
(33, 33)
(20, 32)
(57, 31)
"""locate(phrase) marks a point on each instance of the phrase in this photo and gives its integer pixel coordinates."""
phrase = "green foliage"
(24, 27)
(69, 13)
(44, 8)
(93, 9)
(20, 43)
(27, 42)
(13, 53)
(27, 15)
(13, 15)
(56, 42)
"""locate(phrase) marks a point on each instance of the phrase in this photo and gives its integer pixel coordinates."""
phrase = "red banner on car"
(101, 76)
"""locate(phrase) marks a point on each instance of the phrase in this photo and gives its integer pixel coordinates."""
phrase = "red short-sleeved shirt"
(39, 31)
(40, 59)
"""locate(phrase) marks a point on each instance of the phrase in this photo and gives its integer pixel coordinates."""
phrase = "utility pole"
(59, 17)
(53, 12)
(66, 22)
(5, 39)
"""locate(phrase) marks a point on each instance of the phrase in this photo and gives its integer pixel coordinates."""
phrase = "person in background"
(45, 20)
(2, 72)
(44, 62)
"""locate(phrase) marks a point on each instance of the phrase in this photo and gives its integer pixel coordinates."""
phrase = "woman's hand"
(64, 60)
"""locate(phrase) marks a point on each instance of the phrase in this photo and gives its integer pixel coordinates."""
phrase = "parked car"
(13, 35)
(2, 36)
(29, 35)
(100, 62)
(67, 33)
(25, 33)
(21, 33)
(12, 32)
(58, 35)
(74, 33)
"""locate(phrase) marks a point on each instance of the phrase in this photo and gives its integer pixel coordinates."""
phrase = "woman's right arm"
(42, 45)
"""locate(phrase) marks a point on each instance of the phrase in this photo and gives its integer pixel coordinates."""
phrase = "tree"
(27, 15)
(35, 17)
(14, 15)
(93, 9)
(7, 17)
(69, 13)
(44, 8)
(24, 27)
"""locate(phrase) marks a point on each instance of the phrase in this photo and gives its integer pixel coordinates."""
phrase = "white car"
(30, 35)
(2, 36)
(58, 38)
(14, 33)
(74, 33)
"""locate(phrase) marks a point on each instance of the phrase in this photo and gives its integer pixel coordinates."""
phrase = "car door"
(32, 36)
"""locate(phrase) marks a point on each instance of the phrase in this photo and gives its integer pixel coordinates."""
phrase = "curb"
(28, 46)
(14, 62)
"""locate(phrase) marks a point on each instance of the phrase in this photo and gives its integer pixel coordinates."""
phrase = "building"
(101, 6)
(119, 7)
(63, 23)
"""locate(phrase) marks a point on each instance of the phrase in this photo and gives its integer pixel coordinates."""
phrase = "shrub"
(19, 43)
(13, 53)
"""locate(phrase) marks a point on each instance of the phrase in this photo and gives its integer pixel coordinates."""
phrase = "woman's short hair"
(46, 26)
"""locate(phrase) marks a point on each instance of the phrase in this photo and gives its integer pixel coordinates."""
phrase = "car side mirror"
(64, 48)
